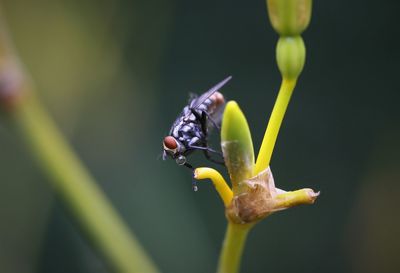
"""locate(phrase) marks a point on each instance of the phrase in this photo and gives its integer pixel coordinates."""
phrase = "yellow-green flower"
(253, 195)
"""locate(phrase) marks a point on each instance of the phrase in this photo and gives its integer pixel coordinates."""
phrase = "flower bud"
(237, 146)
(289, 17)
(290, 56)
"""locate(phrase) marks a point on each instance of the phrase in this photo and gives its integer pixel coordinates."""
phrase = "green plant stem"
(67, 175)
(274, 124)
(232, 248)
(78, 190)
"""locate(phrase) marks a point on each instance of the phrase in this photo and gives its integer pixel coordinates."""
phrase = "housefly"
(189, 132)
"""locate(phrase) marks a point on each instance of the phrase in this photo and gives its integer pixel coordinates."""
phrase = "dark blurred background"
(114, 75)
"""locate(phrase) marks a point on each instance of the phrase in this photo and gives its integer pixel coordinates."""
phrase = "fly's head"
(174, 149)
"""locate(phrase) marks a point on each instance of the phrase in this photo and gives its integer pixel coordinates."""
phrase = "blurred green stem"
(232, 248)
(65, 172)
(79, 191)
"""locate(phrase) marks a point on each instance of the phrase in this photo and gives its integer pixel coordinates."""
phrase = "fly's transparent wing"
(198, 101)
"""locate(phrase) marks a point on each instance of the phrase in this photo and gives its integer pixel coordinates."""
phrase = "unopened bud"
(289, 17)
(290, 56)
(237, 146)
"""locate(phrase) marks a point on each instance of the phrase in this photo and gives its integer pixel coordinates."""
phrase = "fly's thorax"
(191, 134)
(187, 128)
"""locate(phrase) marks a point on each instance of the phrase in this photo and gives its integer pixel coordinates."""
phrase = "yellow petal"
(219, 182)
(294, 198)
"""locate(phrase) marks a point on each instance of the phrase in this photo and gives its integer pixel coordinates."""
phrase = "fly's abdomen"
(212, 104)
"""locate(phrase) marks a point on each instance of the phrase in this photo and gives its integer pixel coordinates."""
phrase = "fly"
(189, 132)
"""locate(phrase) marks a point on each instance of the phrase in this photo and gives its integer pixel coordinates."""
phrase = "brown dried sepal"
(256, 203)
(259, 198)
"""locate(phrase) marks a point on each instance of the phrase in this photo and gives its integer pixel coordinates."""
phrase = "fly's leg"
(203, 120)
(208, 156)
(207, 153)
(199, 117)
(206, 150)
(213, 122)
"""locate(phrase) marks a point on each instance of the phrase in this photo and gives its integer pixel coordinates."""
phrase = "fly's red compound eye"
(170, 143)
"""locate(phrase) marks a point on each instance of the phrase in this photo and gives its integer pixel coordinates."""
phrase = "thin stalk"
(232, 248)
(274, 124)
